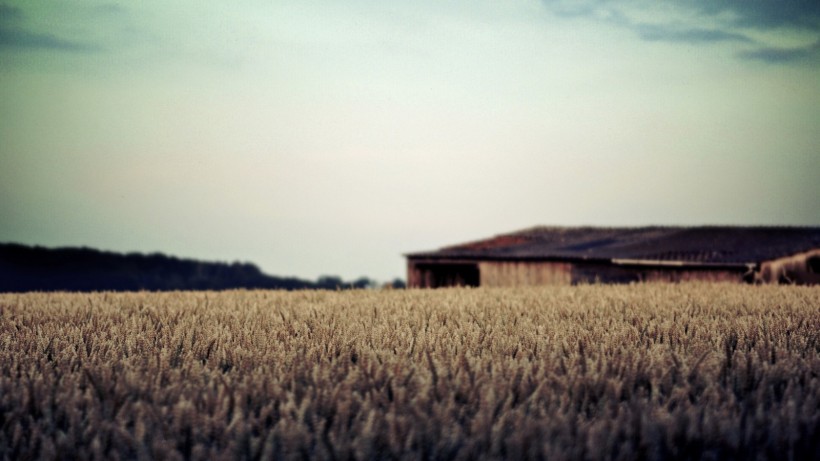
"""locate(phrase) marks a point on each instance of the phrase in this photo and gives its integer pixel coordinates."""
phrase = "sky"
(330, 138)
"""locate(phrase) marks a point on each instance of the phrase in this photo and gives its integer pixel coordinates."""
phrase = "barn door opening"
(449, 275)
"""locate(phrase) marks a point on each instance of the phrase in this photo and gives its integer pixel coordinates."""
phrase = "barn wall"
(563, 273)
(439, 273)
(609, 273)
(413, 275)
(801, 269)
(603, 273)
(518, 273)
(691, 275)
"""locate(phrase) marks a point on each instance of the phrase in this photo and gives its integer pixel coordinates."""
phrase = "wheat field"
(654, 371)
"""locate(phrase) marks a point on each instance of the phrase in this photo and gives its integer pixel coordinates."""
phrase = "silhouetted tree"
(362, 282)
(330, 282)
(24, 268)
(398, 284)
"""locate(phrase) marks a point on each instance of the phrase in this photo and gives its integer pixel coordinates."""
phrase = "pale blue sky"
(331, 137)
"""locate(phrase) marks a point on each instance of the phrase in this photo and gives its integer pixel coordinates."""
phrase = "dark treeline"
(24, 268)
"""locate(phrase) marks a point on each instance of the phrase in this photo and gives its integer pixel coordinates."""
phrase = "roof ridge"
(704, 243)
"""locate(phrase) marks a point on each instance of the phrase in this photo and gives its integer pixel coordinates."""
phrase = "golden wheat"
(689, 371)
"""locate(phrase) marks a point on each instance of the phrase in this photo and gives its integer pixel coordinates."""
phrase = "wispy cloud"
(784, 55)
(15, 34)
(803, 14)
(9, 13)
(692, 35)
(708, 22)
(17, 38)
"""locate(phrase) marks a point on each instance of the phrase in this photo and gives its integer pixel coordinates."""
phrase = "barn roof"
(688, 245)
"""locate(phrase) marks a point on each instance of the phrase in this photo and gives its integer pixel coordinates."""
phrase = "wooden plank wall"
(521, 273)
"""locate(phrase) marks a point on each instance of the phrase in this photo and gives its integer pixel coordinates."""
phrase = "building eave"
(655, 263)
(623, 262)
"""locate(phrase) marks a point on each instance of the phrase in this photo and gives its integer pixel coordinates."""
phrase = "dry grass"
(690, 371)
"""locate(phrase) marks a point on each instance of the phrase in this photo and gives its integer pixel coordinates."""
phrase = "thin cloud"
(694, 35)
(15, 35)
(734, 19)
(9, 13)
(23, 39)
(110, 8)
(802, 14)
(784, 55)
(604, 11)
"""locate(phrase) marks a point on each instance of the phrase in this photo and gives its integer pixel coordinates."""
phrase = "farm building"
(572, 255)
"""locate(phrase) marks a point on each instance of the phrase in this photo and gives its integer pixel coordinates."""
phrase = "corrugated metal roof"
(696, 245)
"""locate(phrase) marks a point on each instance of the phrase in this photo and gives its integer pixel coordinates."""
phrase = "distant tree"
(24, 268)
(398, 283)
(363, 282)
(330, 282)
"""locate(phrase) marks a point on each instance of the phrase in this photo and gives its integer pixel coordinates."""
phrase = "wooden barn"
(572, 255)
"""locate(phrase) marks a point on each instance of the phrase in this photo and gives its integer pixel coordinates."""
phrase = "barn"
(571, 255)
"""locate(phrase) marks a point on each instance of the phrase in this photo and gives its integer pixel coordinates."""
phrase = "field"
(688, 371)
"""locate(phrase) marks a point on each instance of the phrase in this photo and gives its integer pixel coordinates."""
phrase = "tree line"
(24, 268)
